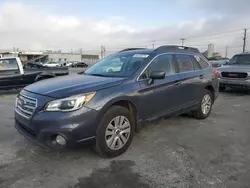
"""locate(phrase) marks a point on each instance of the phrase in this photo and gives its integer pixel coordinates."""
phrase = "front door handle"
(201, 76)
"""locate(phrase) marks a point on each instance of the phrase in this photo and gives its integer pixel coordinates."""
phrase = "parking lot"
(175, 152)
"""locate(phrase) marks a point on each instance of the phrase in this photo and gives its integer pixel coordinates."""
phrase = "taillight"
(216, 73)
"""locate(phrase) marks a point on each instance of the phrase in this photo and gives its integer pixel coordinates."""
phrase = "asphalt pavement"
(177, 152)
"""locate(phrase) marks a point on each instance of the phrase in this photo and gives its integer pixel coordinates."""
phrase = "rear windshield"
(8, 64)
(240, 60)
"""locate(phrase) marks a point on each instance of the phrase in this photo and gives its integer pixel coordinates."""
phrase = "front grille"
(25, 105)
(242, 75)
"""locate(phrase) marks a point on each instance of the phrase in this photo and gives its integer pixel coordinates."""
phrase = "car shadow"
(236, 91)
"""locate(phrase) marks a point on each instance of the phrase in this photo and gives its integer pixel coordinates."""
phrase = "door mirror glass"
(157, 75)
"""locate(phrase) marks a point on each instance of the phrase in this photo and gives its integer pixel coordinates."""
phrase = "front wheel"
(205, 106)
(115, 132)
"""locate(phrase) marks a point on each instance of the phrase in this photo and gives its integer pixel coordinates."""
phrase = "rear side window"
(185, 63)
(196, 64)
(204, 64)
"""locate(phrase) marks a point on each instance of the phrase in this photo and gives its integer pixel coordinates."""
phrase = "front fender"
(116, 100)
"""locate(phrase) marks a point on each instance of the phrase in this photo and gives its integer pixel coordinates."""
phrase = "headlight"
(70, 103)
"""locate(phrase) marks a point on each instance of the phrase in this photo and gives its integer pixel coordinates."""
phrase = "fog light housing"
(60, 140)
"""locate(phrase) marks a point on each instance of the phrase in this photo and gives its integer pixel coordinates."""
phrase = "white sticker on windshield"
(141, 55)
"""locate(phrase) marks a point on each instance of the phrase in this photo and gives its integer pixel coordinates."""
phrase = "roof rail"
(175, 47)
(129, 49)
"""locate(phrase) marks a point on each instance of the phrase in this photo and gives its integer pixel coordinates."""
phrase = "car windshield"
(118, 65)
(240, 60)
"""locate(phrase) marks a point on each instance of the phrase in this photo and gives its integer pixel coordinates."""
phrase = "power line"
(216, 33)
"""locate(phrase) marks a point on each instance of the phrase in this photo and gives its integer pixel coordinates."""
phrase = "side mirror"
(157, 75)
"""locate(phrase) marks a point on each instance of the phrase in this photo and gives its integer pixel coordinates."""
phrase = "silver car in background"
(218, 63)
(236, 72)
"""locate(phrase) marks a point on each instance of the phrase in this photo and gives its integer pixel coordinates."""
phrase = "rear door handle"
(201, 76)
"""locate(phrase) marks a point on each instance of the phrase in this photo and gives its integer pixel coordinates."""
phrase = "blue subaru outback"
(110, 101)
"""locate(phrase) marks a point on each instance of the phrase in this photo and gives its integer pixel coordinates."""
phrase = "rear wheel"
(205, 106)
(115, 132)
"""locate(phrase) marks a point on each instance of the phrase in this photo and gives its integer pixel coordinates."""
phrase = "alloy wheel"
(117, 132)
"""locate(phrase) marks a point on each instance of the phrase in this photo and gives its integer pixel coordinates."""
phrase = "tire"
(101, 146)
(199, 113)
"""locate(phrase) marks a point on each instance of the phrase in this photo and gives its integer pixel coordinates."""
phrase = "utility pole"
(103, 51)
(244, 40)
(226, 51)
(182, 41)
(153, 44)
(81, 53)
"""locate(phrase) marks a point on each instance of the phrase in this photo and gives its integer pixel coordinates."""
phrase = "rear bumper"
(224, 82)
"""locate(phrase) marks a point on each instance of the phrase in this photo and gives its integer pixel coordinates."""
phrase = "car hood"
(65, 86)
(234, 68)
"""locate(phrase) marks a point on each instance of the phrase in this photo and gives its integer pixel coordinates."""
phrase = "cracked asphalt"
(177, 152)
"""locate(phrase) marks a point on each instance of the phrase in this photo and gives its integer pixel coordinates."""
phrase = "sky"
(88, 24)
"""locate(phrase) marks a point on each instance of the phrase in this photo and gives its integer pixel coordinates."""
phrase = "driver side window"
(163, 62)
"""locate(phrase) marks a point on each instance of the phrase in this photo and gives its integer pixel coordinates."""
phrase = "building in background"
(70, 57)
(51, 56)
(90, 59)
(60, 56)
(27, 56)
(210, 50)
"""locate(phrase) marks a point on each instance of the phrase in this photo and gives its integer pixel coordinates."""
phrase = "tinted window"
(161, 63)
(240, 59)
(8, 64)
(204, 64)
(196, 64)
(184, 62)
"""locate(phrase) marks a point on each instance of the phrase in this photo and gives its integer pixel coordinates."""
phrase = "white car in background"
(51, 64)
(69, 64)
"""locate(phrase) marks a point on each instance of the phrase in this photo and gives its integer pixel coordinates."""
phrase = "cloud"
(221, 7)
(29, 28)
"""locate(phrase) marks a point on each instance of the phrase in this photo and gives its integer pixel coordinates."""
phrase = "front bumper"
(224, 82)
(42, 128)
